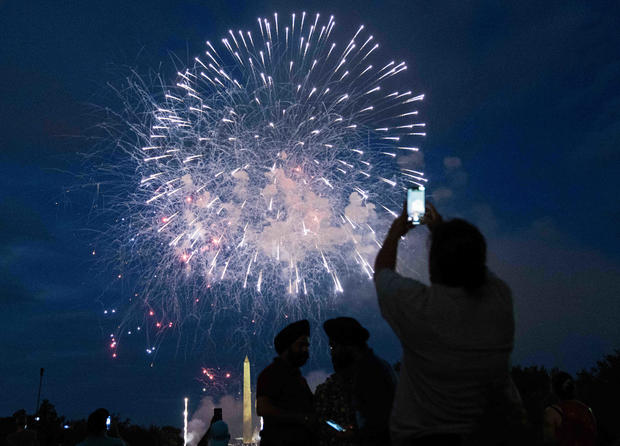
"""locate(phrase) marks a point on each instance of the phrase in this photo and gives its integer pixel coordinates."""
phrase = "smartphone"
(416, 204)
(107, 423)
(335, 425)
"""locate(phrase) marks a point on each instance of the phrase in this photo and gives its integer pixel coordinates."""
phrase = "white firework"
(264, 169)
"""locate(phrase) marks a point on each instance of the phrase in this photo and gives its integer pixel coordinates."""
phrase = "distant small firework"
(260, 177)
(215, 380)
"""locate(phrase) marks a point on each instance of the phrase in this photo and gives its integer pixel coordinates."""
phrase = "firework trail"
(261, 174)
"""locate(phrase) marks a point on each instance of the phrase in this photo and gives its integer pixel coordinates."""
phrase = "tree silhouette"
(600, 389)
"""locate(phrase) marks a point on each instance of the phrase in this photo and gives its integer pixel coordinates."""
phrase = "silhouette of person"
(97, 429)
(217, 434)
(372, 380)
(569, 422)
(457, 334)
(283, 397)
(22, 436)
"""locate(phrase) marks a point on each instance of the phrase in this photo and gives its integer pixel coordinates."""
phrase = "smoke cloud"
(232, 413)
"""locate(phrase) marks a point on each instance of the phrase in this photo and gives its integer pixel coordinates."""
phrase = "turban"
(345, 331)
(290, 334)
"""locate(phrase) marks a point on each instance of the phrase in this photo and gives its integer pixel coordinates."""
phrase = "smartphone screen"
(107, 423)
(416, 204)
(335, 425)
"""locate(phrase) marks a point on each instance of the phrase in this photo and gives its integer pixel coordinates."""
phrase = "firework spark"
(216, 380)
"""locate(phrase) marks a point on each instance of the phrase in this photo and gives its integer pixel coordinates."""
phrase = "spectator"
(457, 334)
(217, 434)
(568, 422)
(371, 379)
(22, 436)
(97, 429)
(283, 397)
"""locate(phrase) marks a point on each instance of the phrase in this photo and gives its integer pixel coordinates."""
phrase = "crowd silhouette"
(455, 385)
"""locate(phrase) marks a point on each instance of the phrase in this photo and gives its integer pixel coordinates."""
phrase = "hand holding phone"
(107, 422)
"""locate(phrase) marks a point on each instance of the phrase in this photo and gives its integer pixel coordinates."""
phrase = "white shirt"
(456, 345)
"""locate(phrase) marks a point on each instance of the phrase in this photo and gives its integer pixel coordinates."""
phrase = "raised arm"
(386, 258)
(397, 294)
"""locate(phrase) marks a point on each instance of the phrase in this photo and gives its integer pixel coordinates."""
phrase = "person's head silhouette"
(563, 386)
(292, 343)
(96, 424)
(457, 255)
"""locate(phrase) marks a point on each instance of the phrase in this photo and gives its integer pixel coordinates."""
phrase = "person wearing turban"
(283, 397)
(362, 380)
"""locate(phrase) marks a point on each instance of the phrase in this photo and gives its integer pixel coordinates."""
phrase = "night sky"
(522, 110)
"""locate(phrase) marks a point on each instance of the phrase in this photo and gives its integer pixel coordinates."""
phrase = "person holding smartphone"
(457, 333)
(355, 402)
(98, 425)
(217, 434)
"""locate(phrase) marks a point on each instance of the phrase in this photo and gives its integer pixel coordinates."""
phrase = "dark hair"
(21, 419)
(458, 255)
(563, 386)
(96, 421)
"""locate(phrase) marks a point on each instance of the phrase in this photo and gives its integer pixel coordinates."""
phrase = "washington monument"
(247, 403)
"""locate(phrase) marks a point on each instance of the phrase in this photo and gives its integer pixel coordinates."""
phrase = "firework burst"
(216, 381)
(264, 171)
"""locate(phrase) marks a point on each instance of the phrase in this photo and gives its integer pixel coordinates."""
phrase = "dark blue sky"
(522, 107)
